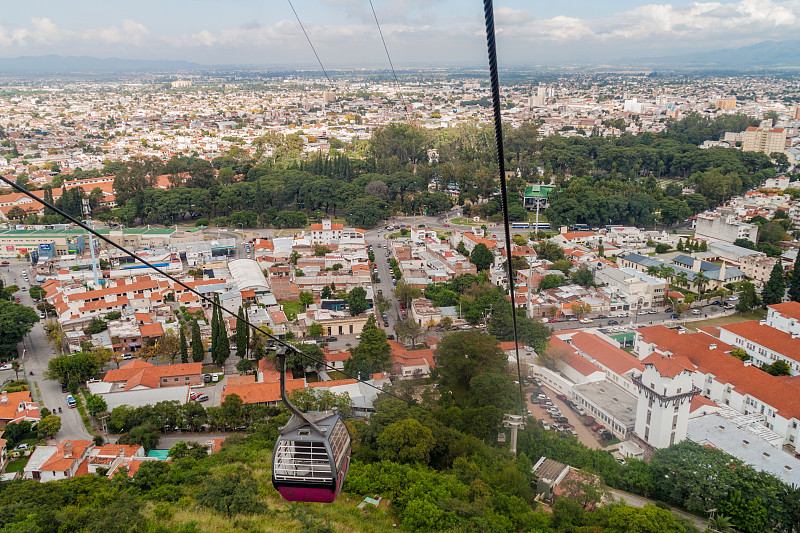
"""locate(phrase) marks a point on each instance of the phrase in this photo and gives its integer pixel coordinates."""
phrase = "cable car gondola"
(312, 453)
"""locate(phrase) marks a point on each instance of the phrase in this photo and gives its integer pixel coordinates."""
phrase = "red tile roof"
(333, 383)
(262, 392)
(768, 337)
(611, 357)
(138, 373)
(787, 309)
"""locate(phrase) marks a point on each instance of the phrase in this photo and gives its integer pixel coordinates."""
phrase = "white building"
(722, 227)
(665, 395)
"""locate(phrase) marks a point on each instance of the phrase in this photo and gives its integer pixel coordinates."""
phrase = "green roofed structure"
(52, 242)
(537, 196)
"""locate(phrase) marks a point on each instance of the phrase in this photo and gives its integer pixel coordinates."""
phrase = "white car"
(6, 366)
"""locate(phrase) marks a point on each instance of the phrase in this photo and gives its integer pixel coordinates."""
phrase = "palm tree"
(653, 270)
(720, 523)
(700, 280)
(666, 272)
(682, 278)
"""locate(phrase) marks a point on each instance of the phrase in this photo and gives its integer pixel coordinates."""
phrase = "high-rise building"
(726, 103)
(764, 140)
(328, 97)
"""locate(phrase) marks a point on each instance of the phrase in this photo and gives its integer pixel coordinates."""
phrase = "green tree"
(406, 441)
(748, 298)
(357, 301)
(36, 292)
(462, 355)
(321, 400)
(406, 293)
(231, 490)
(184, 346)
(564, 265)
(145, 435)
(494, 389)
(326, 293)
(75, 369)
(794, 283)
(96, 326)
(778, 368)
(674, 210)
(49, 426)
(241, 335)
(583, 276)
(373, 353)
(16, 321)
(481, 257)
(96, 404)
(244, 366)
(306, 298)
(775, 287)
(198, 351)
(551, 281)
(315, 330)
(745, 243)
(408, 329)
(549, 251)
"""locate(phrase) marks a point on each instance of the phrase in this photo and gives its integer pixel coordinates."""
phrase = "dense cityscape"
(643, 374)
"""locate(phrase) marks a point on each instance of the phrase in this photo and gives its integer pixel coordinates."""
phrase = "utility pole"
(515, 422)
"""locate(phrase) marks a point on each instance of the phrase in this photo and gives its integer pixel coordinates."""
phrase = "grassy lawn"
(465, 222)
(335, 374)
(291, 309)
(532, 216)
(732, 319)
(211, 369)
(16, 465)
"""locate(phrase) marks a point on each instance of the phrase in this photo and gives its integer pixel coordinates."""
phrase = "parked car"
(673, 315)
(589, 421)
(652, 312)
(71, 402)
(613, 322)
(6, 366)
(4, 263)
(598, 427)
(668, 310)
(201, 398)
(63, 387)
(544, 424)
(23, 446)
(718, 302)
(561, 419)
(695, 311)
(206, 378)
(561, 397)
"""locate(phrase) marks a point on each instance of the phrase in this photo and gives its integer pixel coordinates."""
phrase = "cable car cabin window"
(340, 443)
(302, 461)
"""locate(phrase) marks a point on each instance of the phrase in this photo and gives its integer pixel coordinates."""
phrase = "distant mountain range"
(87, 64)
(766, 54)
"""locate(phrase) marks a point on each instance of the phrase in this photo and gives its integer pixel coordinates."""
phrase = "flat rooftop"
(612, 398)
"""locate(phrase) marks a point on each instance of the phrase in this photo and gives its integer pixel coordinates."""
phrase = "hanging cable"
(309, 42)
(389, 57)
(204, 298)
(488, 10)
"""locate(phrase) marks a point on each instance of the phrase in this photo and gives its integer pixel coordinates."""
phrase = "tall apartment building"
(764, 140)
(726, 103)
(725, 228)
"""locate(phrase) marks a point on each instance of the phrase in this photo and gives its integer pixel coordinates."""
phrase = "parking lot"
(585, 435)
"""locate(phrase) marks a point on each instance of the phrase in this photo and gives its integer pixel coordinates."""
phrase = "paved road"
(638, 501)
(37, 353)
(385, 274)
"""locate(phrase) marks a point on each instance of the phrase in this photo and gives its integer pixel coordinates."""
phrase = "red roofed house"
(263, 393)
(50, 463)
(411, 363)
(138, 375)
(16, 407)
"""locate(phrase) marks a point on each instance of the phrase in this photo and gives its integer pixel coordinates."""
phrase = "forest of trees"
(434, 458)
(602, 179)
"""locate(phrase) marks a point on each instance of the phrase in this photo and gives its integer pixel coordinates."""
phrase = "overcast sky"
(418, 32)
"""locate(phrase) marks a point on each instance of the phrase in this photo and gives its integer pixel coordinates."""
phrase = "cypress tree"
(184, 347)
(214, 330)
(775, 287)
(198, 354)
(241, 335)
(794, 283)
(224, 350)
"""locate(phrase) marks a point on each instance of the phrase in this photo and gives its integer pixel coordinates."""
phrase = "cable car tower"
(87, 211)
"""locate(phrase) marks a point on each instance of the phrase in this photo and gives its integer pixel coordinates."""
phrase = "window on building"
(672, 438)
(674, 421)
(646, 433)
(648, 417)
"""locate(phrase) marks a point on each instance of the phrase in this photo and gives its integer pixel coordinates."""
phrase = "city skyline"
(417, 33)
